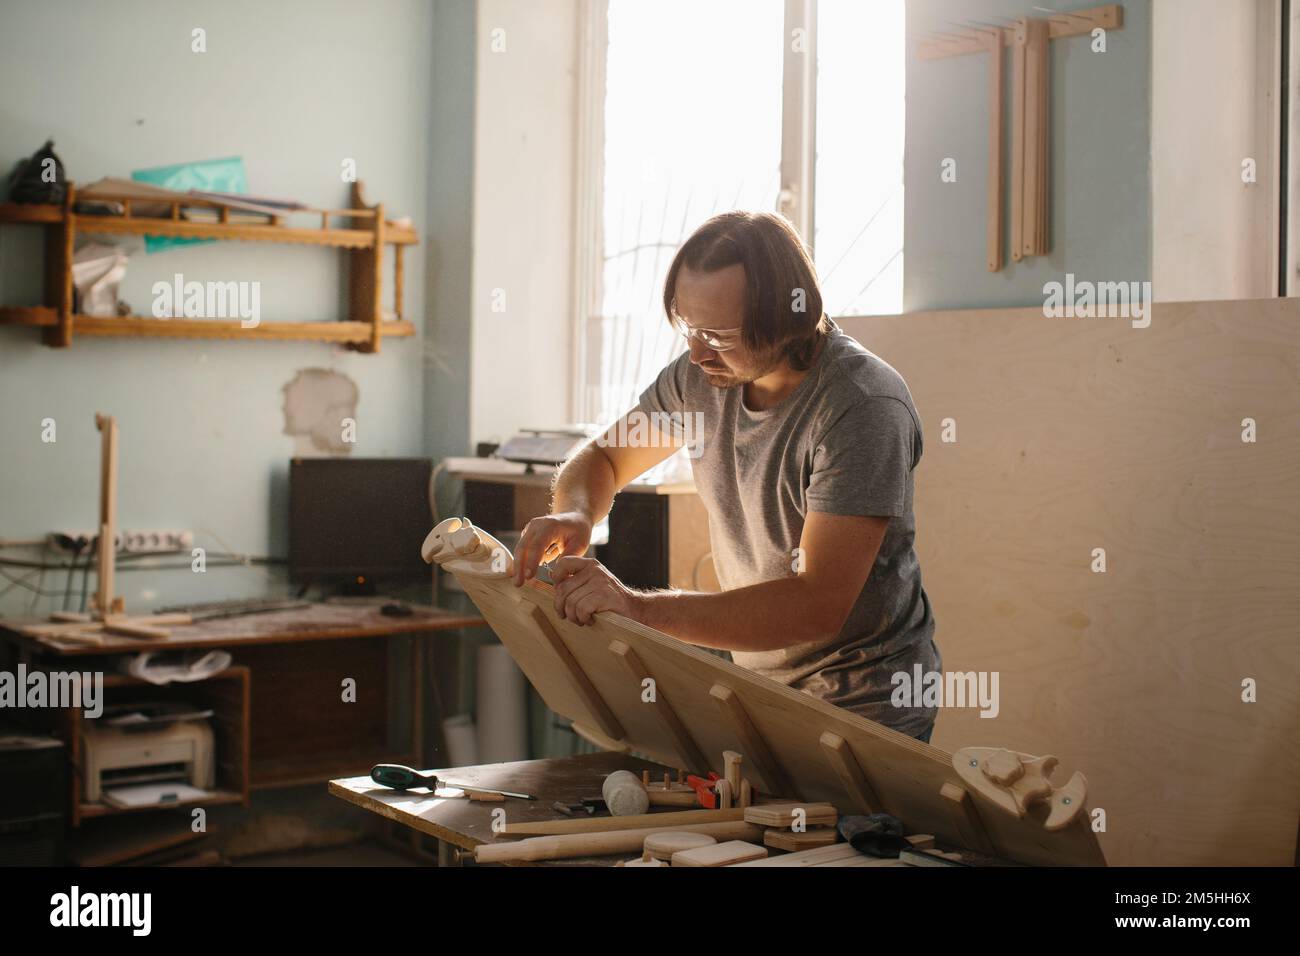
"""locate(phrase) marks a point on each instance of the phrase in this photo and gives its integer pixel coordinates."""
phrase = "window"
(684, 119)
(859, 169)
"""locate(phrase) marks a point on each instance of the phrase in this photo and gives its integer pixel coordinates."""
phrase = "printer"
(121, 755)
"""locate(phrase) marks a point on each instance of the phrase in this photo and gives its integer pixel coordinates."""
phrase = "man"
(804, 466)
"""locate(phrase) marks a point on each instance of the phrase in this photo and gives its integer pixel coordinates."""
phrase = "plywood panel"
(1075, 434)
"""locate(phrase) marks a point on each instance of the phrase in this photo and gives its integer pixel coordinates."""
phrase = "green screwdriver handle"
(404, 778)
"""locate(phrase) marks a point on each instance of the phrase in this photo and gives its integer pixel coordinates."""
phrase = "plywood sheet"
(1075, 434)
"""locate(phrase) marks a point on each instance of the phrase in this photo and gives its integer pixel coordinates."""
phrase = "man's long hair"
(779, 279)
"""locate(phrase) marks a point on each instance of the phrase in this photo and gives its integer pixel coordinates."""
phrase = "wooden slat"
(732, 709)
(993, 185)
(688, 750)
(840, 756)
(1018, 141)
(598, 710)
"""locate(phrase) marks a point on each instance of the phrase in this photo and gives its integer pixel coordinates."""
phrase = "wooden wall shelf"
(365, 237)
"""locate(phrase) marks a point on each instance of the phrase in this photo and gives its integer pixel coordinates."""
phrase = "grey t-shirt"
(846, 441)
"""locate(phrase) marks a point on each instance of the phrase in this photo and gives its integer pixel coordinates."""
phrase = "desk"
(466, 824)
(300, 730)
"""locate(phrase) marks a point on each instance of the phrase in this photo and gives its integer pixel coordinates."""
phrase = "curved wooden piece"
(1014, 782)
(457, 545)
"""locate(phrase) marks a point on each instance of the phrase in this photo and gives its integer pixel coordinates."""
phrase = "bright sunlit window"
(692, 128)
(693, 123)
(859, 172)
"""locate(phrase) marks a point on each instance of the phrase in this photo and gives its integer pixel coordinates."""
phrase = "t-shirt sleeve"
(863, 464)
(667, 392)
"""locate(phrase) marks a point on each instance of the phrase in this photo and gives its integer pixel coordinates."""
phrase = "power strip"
(167, 541)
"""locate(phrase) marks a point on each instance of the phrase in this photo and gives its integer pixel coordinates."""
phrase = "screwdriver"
(404, 778)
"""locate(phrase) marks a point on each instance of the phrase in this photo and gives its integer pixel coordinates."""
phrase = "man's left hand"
(584, 587)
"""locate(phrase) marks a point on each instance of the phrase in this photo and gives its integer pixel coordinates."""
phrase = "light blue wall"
(1100, 157)
(447, 346)
(294, 88)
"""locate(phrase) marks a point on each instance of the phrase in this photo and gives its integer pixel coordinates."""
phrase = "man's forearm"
(761, 617)
(585, 484)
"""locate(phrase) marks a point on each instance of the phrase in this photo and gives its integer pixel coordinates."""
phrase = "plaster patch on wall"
(316, 403)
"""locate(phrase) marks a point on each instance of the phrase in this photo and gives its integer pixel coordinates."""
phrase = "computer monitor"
(357, 521)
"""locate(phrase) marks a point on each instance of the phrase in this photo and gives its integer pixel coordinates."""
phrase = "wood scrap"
(662, 846)
(786, 815)
(793, 842)
(720, 854)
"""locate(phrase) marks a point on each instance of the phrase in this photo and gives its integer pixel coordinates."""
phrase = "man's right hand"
(549, 537)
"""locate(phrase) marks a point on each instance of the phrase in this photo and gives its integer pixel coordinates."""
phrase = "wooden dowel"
(602, 844)
(1018, 141)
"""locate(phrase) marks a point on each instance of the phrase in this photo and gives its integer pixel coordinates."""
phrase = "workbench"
(461, 824)
(295, 728)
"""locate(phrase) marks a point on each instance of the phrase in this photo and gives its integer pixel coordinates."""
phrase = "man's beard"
(731, 378)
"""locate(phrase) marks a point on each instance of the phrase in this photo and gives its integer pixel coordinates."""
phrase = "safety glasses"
(716, 340)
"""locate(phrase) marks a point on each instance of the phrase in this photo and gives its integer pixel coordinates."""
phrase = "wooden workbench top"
(467, 824)
(314, 622)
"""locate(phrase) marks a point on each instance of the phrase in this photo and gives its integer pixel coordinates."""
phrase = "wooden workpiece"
(720, 854)
(662, 846)
(792, 842)
(785, 815)
(778, 729)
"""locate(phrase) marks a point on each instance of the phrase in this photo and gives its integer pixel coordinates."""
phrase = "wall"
(1100, 158)
(1077, 434)
(449, 253)
(293, 88)
(1213, 106)
(521, 364)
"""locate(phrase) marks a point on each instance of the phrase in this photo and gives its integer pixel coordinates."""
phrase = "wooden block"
(793, 842)
(840, 756)
(683, 799)
(662, 846)
(720, 854)
(724, 794)
(921, 841)
(785, 815)
(746, 794)
(731, 770)
(814, 857)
